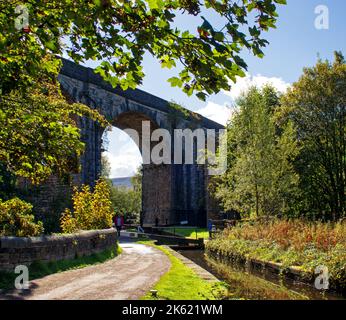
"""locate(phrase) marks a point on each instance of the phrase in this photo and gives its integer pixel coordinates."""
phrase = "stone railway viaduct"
(171, 193)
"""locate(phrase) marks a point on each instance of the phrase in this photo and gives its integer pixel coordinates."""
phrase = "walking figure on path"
(211, 228)
(118, 222)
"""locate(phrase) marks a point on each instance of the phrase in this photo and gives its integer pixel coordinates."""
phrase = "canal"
(256, 284)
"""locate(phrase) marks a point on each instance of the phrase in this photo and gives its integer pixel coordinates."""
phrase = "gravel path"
(127, 277)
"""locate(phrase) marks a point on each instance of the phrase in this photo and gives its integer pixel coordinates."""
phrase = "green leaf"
(202, 96)
(175, 82)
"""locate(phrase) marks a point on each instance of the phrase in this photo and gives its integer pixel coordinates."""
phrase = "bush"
(295, 243)
(16, 219)
(296, 234)
(91, 210)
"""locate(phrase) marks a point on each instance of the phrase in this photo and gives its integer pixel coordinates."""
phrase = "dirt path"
(127, 277)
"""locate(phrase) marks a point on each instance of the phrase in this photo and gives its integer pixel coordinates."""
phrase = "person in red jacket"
(118, 223)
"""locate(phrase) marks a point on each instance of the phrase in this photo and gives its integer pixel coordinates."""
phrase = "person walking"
(118, 223)
(210, 228)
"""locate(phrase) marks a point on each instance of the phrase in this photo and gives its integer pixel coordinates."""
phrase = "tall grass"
(294, 234)
(291, 243)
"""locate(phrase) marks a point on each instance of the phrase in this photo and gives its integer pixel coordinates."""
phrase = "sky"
(295, 44)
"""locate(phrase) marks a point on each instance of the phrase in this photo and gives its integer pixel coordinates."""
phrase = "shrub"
(91, 210)
(293, 243)
(16, 219)
(296, 234)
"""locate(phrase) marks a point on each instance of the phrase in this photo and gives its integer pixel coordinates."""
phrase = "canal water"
(256, 284)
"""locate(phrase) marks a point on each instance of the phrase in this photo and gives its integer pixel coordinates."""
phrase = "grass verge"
(182, 283)
(190, 232)
(41, 269)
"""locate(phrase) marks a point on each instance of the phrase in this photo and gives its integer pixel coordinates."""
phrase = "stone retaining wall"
(24, 251)
(254, 265)
(284, 274)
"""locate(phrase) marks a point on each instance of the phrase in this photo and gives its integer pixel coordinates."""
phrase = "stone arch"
(133, 121)
(156, 179)
(173, 193)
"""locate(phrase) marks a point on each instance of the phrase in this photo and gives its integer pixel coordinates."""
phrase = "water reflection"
(250, 283)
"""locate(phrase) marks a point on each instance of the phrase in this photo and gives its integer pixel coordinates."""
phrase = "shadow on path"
(126, 277)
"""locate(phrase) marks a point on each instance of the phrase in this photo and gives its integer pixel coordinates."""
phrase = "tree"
(136, 180)
(119, 33)
(260, 178)
(105, 167)
(38, 132)
(128, 201)
(7, 183)
(316, 105)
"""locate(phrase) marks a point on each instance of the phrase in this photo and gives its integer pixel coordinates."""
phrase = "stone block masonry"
(172, 193)
(24, 251)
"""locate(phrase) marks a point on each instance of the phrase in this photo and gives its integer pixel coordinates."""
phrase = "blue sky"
(295, 43)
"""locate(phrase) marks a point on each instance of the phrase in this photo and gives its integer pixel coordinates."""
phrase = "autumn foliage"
(91, 209)
(295, 234)
(16, 219)
(294, 243)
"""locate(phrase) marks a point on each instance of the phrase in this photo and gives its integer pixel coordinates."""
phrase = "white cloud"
(123, 154)
(245, 83)
(216, 112)
(222, 113)
(124, 165)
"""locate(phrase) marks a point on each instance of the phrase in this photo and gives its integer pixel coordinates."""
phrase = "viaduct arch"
(171, 192)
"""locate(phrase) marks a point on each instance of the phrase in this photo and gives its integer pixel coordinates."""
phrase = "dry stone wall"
(24, 251)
